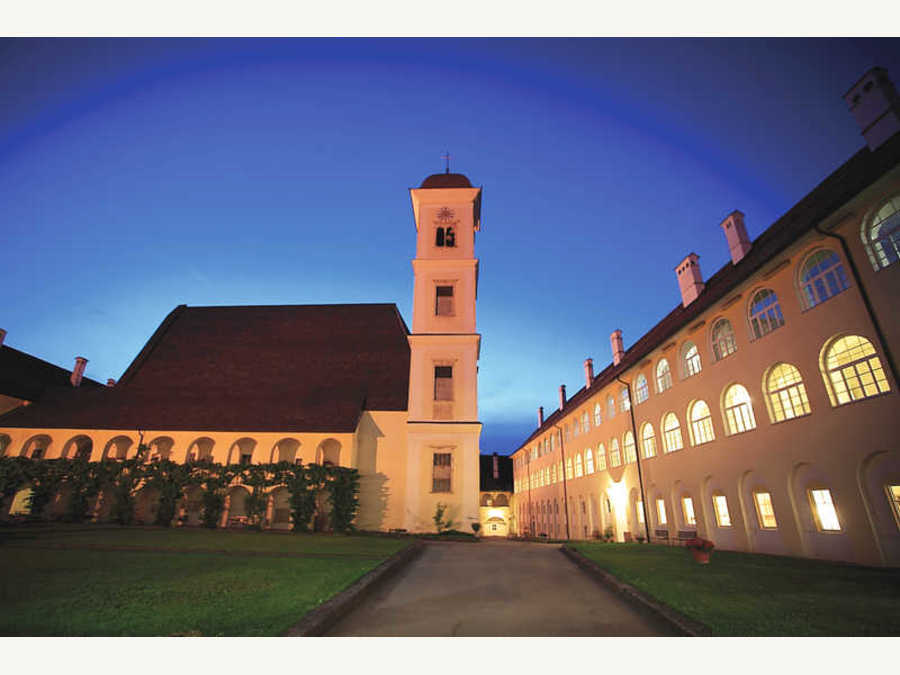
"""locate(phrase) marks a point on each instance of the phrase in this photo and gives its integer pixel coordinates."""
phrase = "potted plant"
(701, 549)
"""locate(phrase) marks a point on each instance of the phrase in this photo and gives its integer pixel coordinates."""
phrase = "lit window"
(443, 383)
(598, 414)
(553, 478)
(663, 376)
(690, 360)
(615, 458)
(687, 507)
(569, 473)
(624, 400)
(568, 433)
(824, 511)
(787, 395)
(764, 510)
(765, 313)
(720, 504)
(821, 277)
(440, 472)
(881, 236)
(443, 303)
(738, 410)
(639, 509)
(610, 408)
(628, 445)
(661, 511)
(589, 461)
(648, 439)
(853, 370)
(641, 389)
(701, 423)
(577, 425)
(601, 458)
(585, 421)
(893, 493)
(579, 467)
(723, 339)
(672, 433)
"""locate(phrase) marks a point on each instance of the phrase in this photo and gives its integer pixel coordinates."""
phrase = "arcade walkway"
(496, 588)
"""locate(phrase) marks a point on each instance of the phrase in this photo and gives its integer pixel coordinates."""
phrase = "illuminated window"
(720, 505)
(553, 478)
(648, 439)
(443, 383)
(764, 510)
(893, 493)
(440, 472)
(881, 235)
(661, 511)
(672, 433)
(601, 458)
(569, 473)
(701, 424)
(585, 421)
(624, 400)
(579, 467)
(443, 303)
(577, 425)
(598, 414)
(628, 445)
(738, 410)
(641, 389)
(824, 511)
(568, 433)
(690, 360)
(822, 276)
(663, 376)
(765, 313)
(610, 408)
(787, 395)
(615, 458)
(639, 509)
(853, 370)
(723, 339)
(687, 508)
(589, 461)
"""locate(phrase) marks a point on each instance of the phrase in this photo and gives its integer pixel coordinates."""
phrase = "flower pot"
(701, 557)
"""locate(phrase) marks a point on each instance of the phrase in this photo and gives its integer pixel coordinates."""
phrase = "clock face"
(445, 226)
(445, 215)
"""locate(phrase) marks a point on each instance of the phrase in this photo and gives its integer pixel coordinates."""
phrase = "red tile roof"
(254, 368)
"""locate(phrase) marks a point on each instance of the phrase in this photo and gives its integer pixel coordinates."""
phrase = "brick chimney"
(562, 396)
(2, 336)
(110, 382)
(588, 372)
(78, 371)
(617, 345)
(690, 281)
(736, 236)
(540, 416)
(874, 103)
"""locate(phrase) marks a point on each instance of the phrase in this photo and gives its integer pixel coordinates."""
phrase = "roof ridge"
(151, 344)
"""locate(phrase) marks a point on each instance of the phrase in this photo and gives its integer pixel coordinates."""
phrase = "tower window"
(443, 305)
(443, 383)
(440, 472)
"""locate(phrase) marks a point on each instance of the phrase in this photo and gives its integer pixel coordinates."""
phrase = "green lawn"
(60, 581)
(742, 594)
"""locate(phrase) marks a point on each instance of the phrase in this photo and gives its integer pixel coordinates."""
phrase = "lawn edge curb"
(688, 627)
(323, 617)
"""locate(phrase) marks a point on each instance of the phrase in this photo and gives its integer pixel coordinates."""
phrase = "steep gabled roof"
(27, 377)
(252, 368)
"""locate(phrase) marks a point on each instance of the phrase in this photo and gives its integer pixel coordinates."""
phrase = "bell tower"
(443, 428)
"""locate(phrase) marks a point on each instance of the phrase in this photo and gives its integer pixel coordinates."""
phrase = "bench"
(686, 535)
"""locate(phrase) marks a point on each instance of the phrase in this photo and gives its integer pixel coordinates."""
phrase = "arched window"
(648, 440)
(672, 433)
(663, 376)
(881, 235)
(585, 421)
(589, 461)
(610, 408)
(852, 370)
(569, 473)
(641, 389)
(821, 277)
(765, 313)
(615, 457)
(628, 445)
(577, 425)
(701, 423)
(690, 359)
(786, 393)
(601, 458)
(553, 474)
(738, 410)
(723, 339)
(598, 414)
(624, 400)
(579, 467)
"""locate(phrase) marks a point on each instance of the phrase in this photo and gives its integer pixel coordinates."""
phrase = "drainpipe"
(562, 450)
(637, 458)
(865, 298)
(530, 513)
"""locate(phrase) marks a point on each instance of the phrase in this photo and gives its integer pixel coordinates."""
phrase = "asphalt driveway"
(496, 588)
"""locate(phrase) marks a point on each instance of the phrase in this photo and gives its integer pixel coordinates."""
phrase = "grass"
(94, 581)
(744, 594)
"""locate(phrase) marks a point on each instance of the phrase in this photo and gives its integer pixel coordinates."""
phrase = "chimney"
(110, 382)
(617, 345)
(78, 370)
(736, 236)
(588, 372)
(496, 467)
(2, 336)
(875, 106)
(540, 416)
(690, 281)
(562, 396)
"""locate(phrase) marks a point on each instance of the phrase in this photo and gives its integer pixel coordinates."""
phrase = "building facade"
(762, 413)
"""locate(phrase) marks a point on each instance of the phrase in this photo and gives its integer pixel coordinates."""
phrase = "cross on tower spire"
(446, 157)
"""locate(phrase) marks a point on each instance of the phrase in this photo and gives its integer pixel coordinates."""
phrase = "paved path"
(496, 588)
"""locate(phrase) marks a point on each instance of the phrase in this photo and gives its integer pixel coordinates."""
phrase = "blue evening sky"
(138, 174)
